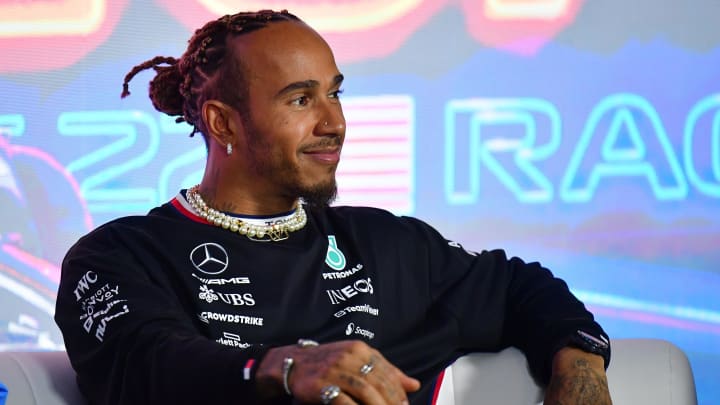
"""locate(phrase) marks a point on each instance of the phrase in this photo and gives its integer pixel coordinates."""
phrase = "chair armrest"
(39, 378)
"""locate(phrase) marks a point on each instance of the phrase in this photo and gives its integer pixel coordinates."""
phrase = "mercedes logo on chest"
(209, 258)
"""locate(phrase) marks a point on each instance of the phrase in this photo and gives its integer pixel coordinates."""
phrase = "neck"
(229, 185)
(238, 202)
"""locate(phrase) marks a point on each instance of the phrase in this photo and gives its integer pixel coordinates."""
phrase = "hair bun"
(165, 91)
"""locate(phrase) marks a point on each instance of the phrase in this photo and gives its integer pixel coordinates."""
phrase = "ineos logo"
(209, 258)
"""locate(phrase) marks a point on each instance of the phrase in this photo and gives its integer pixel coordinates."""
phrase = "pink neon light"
(27, 280)
(381, 156)
(378, 140)
(655, 319)
(375, 172)
(386, 122)
(522, 34)
(361, 44)
(41, 266)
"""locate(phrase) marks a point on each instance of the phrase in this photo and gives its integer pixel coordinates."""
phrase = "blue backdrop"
(585, 135)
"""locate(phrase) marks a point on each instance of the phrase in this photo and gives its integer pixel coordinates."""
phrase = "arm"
(578, 377)
(500, 301)
(129, 337)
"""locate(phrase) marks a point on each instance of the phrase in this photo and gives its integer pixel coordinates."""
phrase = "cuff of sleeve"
(255, 355)
(591, 340)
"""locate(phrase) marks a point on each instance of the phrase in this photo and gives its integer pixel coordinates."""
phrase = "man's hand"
(578, 378)
(339, 364)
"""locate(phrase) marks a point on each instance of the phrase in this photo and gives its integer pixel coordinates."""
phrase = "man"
(249, 289)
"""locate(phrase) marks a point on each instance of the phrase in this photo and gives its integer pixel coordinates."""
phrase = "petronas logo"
(335, 258)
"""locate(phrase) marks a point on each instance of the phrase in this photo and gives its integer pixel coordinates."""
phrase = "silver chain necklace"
(275, 232)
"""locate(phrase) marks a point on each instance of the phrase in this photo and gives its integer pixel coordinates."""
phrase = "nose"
(332, 122)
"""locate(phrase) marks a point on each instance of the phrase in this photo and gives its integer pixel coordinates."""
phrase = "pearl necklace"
(275, 232)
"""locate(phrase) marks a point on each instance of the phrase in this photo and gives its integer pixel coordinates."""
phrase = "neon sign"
(598, 155)
(29, 32)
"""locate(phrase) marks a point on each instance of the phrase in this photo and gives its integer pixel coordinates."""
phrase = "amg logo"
(222, 281)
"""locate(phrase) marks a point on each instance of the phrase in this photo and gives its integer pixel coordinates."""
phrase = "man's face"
(294, 124)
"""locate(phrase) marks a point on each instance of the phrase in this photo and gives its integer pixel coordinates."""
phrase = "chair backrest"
(642, 371)
(39, 378)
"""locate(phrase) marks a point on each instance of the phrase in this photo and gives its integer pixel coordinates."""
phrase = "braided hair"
(181, 86)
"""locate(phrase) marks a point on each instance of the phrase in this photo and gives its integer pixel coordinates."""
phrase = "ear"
(218, 118)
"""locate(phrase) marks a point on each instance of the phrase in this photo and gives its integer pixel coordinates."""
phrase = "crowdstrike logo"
(210, 258)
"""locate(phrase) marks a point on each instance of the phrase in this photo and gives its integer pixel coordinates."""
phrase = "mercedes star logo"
(209, 258)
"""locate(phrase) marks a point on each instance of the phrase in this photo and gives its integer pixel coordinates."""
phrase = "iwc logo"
(335, 258)
(209, 258)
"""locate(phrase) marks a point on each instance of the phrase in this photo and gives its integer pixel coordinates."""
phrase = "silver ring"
(367, 368)
(307, 343)
(328, 393)
(288, 363)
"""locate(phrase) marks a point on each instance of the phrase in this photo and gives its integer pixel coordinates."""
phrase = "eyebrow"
(307, 84)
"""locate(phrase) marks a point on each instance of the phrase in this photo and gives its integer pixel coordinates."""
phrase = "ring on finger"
(367, 368)
(328, 393)
(307, 343)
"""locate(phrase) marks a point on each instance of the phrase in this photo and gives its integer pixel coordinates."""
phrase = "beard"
(269, 164)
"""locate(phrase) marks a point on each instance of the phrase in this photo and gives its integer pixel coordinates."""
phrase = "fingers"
(408, 383)
(360, 372)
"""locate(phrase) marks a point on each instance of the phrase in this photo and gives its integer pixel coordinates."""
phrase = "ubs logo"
(209, 258)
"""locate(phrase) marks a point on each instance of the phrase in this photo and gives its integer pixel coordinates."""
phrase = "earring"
(325, 123)
(229, 149)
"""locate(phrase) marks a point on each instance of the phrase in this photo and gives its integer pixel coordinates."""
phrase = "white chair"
(642, 371)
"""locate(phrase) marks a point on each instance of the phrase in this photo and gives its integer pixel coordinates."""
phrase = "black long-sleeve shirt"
(166, 308)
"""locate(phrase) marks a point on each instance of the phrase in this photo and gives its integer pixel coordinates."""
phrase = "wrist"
(568, 358)
(268, 377)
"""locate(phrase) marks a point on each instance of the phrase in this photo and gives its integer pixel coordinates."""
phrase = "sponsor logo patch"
(362, 286)
(232, 340)
(231, 318)
(352, 329)
(222, 281)
(358, 308)
(100, 307)
(342, 274)
(335, 259)
(236, 299)
(209, 258)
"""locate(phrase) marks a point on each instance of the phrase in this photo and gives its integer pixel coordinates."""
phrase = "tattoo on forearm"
(580, 386)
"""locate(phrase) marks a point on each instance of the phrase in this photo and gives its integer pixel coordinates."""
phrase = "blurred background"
(581, 134)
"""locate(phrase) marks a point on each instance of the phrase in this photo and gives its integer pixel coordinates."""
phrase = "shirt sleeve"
(129, 339)
(500, 302)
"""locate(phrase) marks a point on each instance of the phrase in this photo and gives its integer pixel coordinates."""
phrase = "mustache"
(325, 143)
